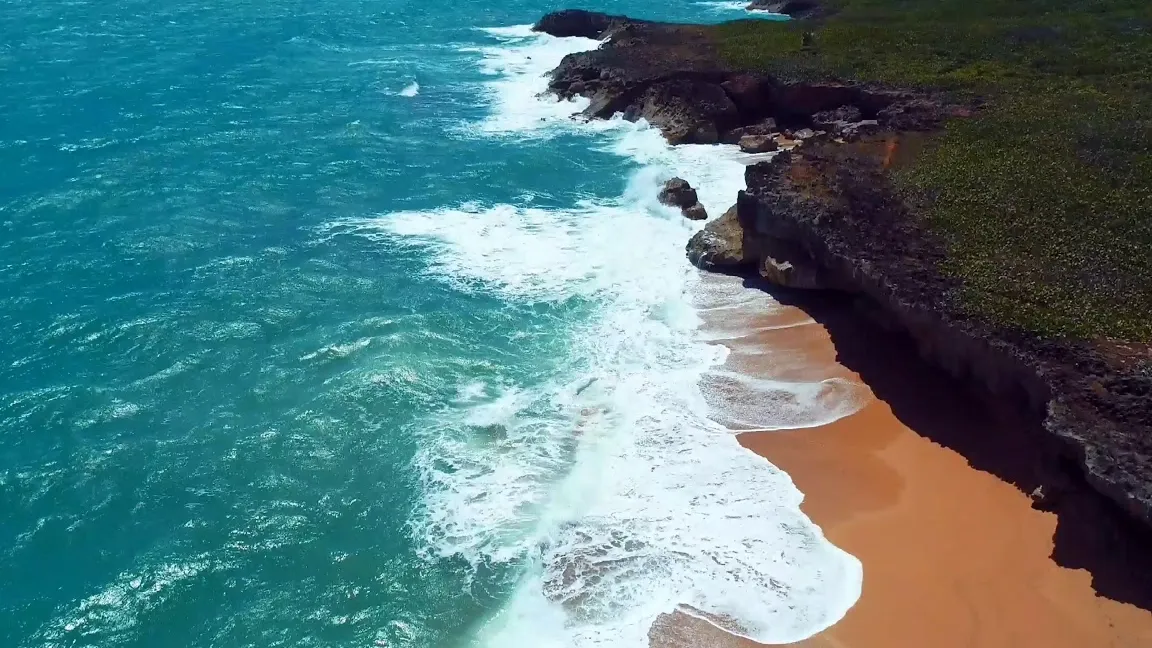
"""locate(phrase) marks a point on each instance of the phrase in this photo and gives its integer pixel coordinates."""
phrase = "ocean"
(324, 329)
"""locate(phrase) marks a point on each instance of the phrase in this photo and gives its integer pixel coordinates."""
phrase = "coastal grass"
(1044, 196)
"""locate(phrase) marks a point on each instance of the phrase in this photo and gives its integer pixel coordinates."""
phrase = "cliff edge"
(965, 184)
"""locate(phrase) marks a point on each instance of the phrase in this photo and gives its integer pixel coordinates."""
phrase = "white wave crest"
(607, 479)
(410, 90)
(521, 62)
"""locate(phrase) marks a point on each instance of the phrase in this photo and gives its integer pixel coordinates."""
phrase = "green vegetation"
(1044, 197)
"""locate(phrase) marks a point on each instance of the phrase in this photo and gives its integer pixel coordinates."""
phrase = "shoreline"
(952, 555)
(923, 479)
(833, 215)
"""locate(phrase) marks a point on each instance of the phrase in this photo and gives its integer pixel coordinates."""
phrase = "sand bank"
(953, 556)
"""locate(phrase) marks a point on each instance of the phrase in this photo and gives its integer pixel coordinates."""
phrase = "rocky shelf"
(826, 216)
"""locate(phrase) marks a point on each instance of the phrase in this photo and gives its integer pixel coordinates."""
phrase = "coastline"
(839, 214)
(953, 556)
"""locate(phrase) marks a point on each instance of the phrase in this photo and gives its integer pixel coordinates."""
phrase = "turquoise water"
(324, 330)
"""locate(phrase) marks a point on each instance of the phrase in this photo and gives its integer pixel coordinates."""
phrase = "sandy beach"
(953, 556)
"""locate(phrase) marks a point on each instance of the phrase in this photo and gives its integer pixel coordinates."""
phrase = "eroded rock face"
(804, 100)
(696, 212)
(794, 8)
(689, 112)
(751, 93)
(720, 245)
(758, 144)
(826, 216)
(678, 193)
(912, 115)
(834, 121)
(577, 22)
(672, 76)
(767, 127)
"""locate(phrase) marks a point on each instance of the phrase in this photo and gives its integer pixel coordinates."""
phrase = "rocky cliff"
(672, 76)
(826, 216)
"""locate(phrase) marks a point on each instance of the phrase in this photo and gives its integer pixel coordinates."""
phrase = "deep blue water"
(322, 330)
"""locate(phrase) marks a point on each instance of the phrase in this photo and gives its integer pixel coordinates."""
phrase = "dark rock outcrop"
(825, 216)
(793, 8)
(689, 111)
(678, 193)
(750, 92)
(577, 22)
(720, 246)
(837, 120)
(758, 144)
(673, 77)
(767, 127)
(734, 243)
(696, 212)
(829, 210)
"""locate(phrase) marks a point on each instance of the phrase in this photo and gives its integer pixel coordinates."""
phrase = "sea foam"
(607, 481)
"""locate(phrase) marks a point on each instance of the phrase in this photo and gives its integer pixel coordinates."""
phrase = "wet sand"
(953, 556)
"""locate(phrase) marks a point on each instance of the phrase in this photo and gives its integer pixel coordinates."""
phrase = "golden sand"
(953, 557)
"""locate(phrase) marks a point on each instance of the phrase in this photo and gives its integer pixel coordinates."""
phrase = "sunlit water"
(324, 330)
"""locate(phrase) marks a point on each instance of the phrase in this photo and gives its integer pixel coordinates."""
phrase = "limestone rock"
(696, 212)
(912, 115)
(856, 129)
(577, 22)
(758, 144)
(794, 8)
(720, 245)
(678, 193)
(765, 127)
(688, 111)
(789, 275)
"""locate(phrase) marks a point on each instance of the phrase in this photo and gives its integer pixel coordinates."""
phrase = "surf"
(606, 479)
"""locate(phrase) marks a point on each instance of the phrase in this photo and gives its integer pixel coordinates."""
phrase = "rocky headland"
(835, 214)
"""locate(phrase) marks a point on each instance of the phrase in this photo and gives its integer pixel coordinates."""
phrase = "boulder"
(678, 193)
(765, 127)
(785, 273)
(830, 120)
(696, 212)
(758, 144)
(803, 134)
(720, 245)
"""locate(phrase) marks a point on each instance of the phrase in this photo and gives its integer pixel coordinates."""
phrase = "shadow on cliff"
(996, 434)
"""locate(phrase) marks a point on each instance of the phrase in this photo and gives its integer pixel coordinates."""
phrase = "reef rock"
(577, 22)
(678, 193)
(696, 212)
(720, 245)
(765, 127)
(758, 144)
(793, 8)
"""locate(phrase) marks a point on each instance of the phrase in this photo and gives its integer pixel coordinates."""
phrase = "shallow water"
(324, 329)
